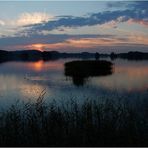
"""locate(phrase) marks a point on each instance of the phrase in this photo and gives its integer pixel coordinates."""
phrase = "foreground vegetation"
(92, 123)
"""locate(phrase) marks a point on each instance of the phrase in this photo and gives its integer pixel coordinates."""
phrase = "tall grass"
(92, 123)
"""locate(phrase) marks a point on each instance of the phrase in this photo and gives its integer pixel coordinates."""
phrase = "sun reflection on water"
(44, 66)
(38, 65)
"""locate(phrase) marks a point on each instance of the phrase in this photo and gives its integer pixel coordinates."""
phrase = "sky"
(74, 26)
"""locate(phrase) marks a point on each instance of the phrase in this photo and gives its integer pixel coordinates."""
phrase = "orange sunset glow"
(140, 22)
(42, 66)
(88, 43)
(39, 47)
(37, 66)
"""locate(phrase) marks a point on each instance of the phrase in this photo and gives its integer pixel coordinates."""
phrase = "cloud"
(113, 23)
(132, 5)
(2, 23)
(35, 23)
(140, 22)
(44, 39)
(117, 4)
(91, 44)
(140, 5)
(16, 27)
(113, 17)
(138, 39)
(32, 18)
(72, 42)
(36, 29)
(27, 18)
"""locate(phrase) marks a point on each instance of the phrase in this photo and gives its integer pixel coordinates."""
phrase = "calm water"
(25, 81)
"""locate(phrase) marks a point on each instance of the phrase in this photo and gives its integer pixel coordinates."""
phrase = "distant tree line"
(34, 55)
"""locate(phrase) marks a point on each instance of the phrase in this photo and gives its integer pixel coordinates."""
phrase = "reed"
(92, 123)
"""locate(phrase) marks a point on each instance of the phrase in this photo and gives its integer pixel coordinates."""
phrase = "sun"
(39, 47)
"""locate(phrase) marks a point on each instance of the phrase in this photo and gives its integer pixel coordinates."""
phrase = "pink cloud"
(140, 22)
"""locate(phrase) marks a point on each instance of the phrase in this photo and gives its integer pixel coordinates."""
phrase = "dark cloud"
(117, 4)
(136, 10)
(140, 5)
(45, 39)
(128, 4)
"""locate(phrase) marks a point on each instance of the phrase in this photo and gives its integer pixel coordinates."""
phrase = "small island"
(80, 70)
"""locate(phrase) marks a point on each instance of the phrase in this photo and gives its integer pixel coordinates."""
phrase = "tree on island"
(113, 56)
(97, 56)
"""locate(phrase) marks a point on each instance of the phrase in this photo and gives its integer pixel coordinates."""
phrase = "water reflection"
(43, 66)
(127, 77)
(15, 87)
(37, 66)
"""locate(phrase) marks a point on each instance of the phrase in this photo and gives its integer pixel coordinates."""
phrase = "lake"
(24, 81)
